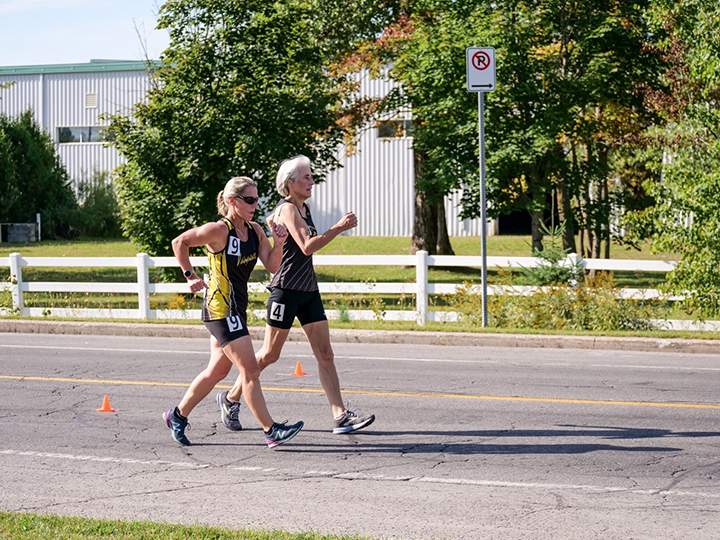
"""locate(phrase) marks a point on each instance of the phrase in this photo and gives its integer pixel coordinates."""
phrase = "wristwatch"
(188, 273)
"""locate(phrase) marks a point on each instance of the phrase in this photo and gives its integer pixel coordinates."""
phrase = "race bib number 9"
(233, 246)
(277, 311)
(234, 323)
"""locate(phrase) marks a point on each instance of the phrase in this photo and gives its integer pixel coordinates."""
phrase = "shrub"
(594, 305)
(98, 213)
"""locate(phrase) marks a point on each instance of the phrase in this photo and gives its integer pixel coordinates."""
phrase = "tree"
(567, 75)
(32, 178)
(243, 85)
(686, 216)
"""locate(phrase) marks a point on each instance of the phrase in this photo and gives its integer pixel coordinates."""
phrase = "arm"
(212, 235)
(271, 255)
(293, 221)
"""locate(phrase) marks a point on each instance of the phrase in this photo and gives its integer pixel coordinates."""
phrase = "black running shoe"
(282, 433)
(177, 427)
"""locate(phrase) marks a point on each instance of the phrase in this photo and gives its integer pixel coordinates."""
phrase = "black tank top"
(296, 272)
(230, 268)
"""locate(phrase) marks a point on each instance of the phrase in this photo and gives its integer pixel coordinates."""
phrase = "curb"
(694, 346)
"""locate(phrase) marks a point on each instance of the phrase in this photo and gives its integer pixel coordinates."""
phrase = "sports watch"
(188, 273)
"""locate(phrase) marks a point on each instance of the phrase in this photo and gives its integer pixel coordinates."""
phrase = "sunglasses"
(247, 199)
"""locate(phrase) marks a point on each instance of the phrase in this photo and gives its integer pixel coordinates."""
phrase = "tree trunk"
(565, 213)
(424, 236)
(537, 236)
(443, 238)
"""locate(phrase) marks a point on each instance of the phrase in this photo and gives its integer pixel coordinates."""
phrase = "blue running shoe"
(177, 427)
(229, 412)
(282, 433)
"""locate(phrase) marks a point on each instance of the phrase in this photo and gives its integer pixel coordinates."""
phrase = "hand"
(349, 221)
(279, 233)
(196, 284)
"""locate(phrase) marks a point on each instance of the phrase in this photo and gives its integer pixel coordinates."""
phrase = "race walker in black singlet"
(294, 287)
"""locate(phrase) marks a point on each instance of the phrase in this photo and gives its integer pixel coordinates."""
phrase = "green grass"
(501, 246)
(19, 526)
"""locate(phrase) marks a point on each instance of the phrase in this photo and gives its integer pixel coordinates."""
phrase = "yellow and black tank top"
(230, 270)
(296, 272)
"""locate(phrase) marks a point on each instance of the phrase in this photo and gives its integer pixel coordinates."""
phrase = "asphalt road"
(469, 442)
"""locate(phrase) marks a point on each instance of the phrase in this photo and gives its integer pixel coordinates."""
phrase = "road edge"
(649, 344)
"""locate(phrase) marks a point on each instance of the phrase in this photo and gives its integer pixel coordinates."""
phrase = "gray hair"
(288, 170)
(234, 187)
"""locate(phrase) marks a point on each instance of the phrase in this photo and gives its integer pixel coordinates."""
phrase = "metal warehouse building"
(376, 182)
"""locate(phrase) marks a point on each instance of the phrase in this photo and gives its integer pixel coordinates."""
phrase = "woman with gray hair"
(295, 293)
(234, 243)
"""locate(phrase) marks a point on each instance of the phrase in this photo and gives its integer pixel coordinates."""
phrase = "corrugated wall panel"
(25, 93)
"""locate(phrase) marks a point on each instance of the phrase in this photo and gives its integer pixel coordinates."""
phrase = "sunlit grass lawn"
(19, 526)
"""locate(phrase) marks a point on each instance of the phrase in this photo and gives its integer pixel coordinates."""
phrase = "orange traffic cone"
(298, 370)
(106, 405)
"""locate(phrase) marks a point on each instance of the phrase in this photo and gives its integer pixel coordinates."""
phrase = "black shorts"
(284, 305)
(228, 329)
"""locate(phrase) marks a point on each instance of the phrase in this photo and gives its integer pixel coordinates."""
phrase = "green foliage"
(590, 306)
(554, 269)
(686, 216)
(32, 179)
(243, 85)
(567, 74)
(98, 213)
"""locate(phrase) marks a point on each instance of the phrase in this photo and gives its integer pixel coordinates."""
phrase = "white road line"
(103, 349)
(370, 477)
(538, 363)
(74, 457)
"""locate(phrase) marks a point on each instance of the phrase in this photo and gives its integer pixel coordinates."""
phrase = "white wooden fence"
(421, 288)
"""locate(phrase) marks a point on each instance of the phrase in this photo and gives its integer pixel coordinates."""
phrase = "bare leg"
(269, 354)
(217, 369)
(318, 334)
(240, 351)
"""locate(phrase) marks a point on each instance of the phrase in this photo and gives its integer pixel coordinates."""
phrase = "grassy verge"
(20, 526)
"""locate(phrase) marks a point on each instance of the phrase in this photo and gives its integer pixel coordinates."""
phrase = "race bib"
(233, 246)
(234, 323)
(277, 311)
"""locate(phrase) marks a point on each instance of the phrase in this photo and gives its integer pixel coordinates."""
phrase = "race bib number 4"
(277, 311)
(234, 323)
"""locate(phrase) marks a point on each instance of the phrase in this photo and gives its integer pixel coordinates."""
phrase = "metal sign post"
(480, 70)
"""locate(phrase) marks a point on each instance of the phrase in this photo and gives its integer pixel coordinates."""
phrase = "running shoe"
(177, 427)
(351, 421)
(229, 412)
(282, 433)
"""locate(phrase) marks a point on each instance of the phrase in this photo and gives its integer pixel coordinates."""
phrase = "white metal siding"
(58, 100)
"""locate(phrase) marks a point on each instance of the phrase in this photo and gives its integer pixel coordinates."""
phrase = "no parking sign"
(480, 68)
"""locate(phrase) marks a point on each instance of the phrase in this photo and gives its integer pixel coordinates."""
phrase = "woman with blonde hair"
(234, 243)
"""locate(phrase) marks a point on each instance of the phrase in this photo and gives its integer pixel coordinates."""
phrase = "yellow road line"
(391, 394)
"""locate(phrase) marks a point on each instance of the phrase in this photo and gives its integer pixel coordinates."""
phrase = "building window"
(390, 129)
(86, 134)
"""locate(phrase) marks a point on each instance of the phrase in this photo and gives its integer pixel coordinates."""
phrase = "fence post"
(16, 280)
(143, 261)
(421, 282)
(573, 260)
